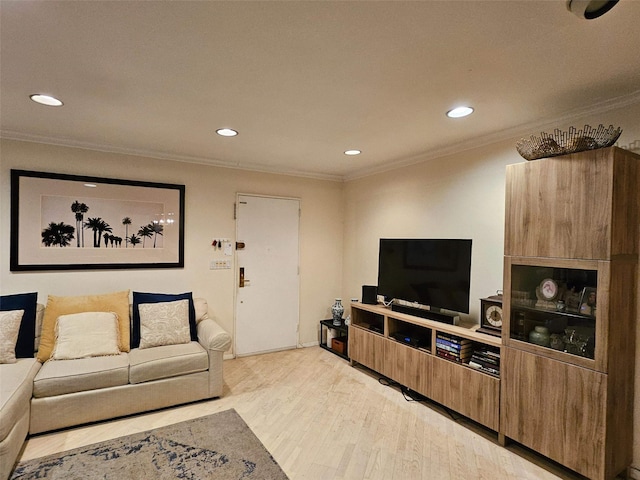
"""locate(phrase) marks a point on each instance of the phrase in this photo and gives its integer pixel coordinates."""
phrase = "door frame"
(236, 272)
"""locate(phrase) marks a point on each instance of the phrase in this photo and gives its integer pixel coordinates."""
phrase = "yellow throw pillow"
(117, 302)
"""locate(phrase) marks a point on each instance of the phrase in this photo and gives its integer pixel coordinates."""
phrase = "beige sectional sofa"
(36, 398)
(16, 387)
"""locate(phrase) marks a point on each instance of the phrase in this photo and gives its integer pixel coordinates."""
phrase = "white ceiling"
(303, 81)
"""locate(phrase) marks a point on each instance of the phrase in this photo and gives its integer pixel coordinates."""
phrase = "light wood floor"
(323, 419)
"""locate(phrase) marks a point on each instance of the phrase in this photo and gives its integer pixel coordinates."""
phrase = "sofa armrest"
(216, 341)
(212, 336)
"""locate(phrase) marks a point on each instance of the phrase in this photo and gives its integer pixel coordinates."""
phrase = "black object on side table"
(339, 343)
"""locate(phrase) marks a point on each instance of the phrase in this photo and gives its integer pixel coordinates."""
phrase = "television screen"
(433, 272)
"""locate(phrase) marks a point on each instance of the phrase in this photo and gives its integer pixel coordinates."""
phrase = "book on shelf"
(449, 356)
(457, 357)
(442, 341)
(494, 371)
(451, 349)
(484, 363)
(486, 358)
(490, 353)
(453, 339)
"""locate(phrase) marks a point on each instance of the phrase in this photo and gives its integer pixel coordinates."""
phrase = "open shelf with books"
(479, 356)
(486, 359)
(453, 347)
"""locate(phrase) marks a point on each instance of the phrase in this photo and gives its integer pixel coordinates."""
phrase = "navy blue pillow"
(27, 334)
(140, 297)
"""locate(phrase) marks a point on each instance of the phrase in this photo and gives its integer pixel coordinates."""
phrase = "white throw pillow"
(86, 334)
(164, 323)
(9, 328)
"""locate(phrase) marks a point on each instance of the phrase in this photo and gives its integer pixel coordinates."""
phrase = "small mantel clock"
(491, 315)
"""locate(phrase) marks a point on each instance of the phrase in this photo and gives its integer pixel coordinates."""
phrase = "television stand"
(430, 358)
(448, 318)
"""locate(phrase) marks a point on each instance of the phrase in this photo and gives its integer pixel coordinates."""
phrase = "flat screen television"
(432, 272)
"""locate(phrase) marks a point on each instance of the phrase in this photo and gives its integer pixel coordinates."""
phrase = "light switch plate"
(219, 264)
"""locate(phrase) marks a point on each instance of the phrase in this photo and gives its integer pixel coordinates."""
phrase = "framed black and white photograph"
(69, 222)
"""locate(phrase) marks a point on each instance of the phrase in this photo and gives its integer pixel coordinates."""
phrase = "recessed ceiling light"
(352, 152)
(459, 112)
(590, 9)
(226, 132)
(90, 185)
(46, 100)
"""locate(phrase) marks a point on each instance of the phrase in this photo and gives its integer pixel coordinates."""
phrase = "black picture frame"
(51, 213)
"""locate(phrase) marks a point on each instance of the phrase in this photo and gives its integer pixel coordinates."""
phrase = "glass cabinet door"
(554, 308)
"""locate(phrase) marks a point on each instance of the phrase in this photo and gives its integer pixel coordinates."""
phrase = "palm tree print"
(94, 224)
(79, 209)
(98, 226)
(61, 234)
(133, 240)
(145, 232)
(126, 221)
(104, 227)
(113, 240)
(58, 235)
(157, 229)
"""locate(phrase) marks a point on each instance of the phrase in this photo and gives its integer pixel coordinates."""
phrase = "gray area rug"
(219, 446)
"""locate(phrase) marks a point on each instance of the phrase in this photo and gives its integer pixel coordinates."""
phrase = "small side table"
(342, 337)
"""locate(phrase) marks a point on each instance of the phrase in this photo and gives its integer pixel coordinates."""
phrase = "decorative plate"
(562, 143)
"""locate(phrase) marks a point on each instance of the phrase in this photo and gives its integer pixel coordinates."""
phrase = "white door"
(267, 276)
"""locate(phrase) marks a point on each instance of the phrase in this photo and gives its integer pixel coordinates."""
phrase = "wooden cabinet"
(367, 348)
(572, 225)
(457, 386)
(556, 409)
(468, 392)
(583, 205)
(408, 366)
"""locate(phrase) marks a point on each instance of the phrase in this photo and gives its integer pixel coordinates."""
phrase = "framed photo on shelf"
(588, 301)
(69, 222)
(572, 300)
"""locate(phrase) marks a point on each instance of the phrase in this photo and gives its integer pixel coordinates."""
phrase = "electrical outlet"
(219, 264)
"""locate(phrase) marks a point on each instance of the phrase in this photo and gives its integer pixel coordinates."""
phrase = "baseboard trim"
(231, 356)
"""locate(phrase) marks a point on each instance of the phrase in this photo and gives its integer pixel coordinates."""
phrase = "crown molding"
(524, 129)
(428, 155)
(211, 162)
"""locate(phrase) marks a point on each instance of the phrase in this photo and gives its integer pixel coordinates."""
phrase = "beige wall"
(457, 196)
(461, 196)
(210, 195)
